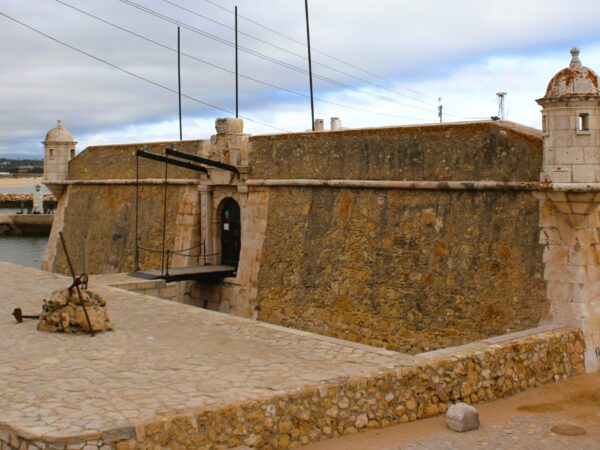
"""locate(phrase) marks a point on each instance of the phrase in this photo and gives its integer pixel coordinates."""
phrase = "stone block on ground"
(462, 417)
(62, 312)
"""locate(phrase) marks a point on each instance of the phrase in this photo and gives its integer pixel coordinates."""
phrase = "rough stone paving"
(174, 376)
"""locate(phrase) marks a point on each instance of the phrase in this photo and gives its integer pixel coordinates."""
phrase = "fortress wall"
(106, 215)
(411, 270)
(497, 151)
(408, 270)
(113, 162)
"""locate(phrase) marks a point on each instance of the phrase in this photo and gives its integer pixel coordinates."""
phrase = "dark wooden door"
(230, 233)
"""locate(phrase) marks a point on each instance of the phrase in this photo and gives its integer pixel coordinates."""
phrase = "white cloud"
(461, 50)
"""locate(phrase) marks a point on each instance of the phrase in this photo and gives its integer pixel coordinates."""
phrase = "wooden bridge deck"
(198, 273)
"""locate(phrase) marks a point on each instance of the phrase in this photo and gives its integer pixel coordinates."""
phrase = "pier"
(26, 224)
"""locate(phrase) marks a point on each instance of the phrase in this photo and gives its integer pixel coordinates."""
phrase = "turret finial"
(575, 62)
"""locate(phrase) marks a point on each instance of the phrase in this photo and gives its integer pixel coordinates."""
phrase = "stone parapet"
(497, 368)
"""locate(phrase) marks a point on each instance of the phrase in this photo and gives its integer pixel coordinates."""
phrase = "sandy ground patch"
(523, 421)
(19, 181)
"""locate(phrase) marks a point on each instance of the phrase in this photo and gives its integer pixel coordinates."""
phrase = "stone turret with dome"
(570, 123)
(59, 149)
(573, 81)
(570, 201)
(59, 134)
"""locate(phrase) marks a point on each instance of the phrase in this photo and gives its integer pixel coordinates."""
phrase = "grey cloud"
(407, 41)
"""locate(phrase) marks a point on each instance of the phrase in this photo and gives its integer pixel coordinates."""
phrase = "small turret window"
(72, 153)
(544, 123)
(583, 123)
(51, 153)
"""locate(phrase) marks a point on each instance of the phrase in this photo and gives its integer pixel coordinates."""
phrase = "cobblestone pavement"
(163, 358)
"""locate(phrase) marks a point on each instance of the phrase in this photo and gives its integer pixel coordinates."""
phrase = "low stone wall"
(26, 224)
(481, 371)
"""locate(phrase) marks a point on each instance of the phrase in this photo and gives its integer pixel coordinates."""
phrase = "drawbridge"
(200, 272)
(208, 273)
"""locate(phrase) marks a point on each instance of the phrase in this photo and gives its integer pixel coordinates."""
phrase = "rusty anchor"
(19, 316)
(78, 281)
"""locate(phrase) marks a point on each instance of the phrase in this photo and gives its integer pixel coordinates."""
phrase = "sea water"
(24, 250)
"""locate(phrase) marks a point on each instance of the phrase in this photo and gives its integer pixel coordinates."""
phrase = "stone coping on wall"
(522, 129)
(482, 185)
(176, 375)
(431, 185)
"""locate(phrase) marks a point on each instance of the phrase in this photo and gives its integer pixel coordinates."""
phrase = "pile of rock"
(62, 312)
(18, 200)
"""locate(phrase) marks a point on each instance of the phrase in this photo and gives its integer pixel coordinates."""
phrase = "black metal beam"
(173, 162)
(201, 160)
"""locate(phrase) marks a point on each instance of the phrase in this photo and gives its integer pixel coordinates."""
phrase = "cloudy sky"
(381, 62)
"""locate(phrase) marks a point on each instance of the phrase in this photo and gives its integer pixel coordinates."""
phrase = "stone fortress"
(412, 238)
(464, 255)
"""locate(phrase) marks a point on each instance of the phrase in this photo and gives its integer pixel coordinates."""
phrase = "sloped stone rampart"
(483, 371)
(403, 269)
(106, 216)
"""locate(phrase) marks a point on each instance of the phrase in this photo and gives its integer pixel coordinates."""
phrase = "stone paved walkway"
(163, 358)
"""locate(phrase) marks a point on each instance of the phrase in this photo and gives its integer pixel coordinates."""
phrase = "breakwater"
(26, 224)
(21, 200)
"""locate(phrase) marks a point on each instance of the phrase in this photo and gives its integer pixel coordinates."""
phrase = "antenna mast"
(312, 103)
(501, 113)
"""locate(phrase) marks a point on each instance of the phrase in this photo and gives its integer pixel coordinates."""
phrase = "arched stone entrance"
(230, 232)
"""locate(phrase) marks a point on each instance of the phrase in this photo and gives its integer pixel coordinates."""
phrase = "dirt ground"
(523, 421)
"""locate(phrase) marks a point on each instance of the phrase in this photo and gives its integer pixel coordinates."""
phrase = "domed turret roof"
(575, 80)
(59, 134)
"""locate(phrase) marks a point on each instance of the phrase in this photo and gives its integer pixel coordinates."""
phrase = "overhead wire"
(315, 62)
(128, 72)
(255, 80)
(329, 55)
(268, 58)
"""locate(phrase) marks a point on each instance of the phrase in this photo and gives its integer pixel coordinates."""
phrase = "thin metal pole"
(137, 196)
(164, 236)
(76, 282)
(312, 102)
(167, 272)
(237, 95)
(85, 254)
(179, 79)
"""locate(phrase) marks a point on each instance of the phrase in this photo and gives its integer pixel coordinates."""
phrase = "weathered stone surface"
(462, 417)
(475, 151)
(108, 226)
(62, 312)
(409, 270)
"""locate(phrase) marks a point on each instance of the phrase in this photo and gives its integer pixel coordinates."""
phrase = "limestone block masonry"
(569, 210)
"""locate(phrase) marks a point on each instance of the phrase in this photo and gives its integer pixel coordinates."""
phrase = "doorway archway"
(230, 232)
